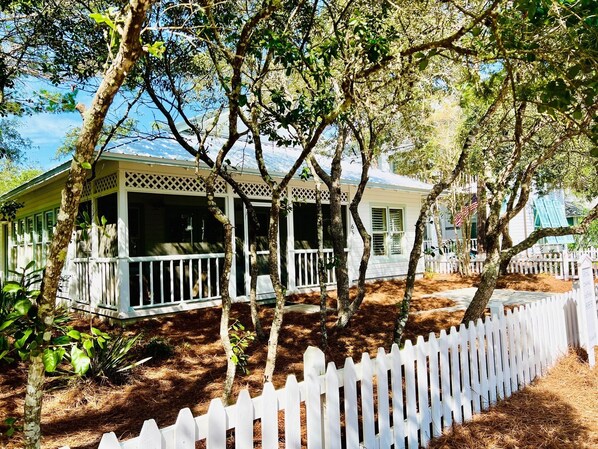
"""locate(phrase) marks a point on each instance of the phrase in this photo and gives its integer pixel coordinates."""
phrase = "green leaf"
(62, 340)
(594, 152)
(423, 63)
(19, 343)
(22, 306)
(79, 361)
(74, 334)
(12, 287)
(6, 324)
(86, 165)
(52, 358)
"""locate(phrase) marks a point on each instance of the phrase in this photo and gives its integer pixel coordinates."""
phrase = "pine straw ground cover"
(78, 414)
(559, 411)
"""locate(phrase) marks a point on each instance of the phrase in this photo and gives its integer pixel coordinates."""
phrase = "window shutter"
(378, 244)
(378, 219)
(396, 244)
(396, 220)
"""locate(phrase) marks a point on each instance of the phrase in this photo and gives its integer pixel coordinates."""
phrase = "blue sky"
(47, 131)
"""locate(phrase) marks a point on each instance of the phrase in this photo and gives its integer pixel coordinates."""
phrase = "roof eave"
(37, 181)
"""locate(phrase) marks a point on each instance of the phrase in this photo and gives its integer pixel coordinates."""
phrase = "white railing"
(560, 265)
(167, 280)
(94, 282)
(80, 281)
(433, 385)
(448, 246)
(306, 268)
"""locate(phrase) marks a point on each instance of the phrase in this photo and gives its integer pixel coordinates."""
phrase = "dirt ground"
(79, 414)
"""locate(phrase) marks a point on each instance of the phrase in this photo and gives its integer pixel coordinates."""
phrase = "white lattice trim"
(106, 183)
(256, 190)
(309, 195)
(86, 190)
(169, 183)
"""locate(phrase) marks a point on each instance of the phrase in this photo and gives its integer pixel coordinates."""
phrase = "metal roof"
(241, 158)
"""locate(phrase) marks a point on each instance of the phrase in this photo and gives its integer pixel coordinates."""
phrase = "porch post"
(290, 245)
(4, 252)
(95, 290)
(122, 280)
(230, 212)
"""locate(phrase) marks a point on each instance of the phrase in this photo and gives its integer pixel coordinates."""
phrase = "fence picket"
(385, 440)
(313, 413)
(333, 409)
(109, 441)
(483, 362)
(464, 366)
(150, 436)
(435, 403)
(217, 424)
(351, 417)
(408, 357)
(445, 380)
(398, 417)
(367, 401)
(513, 362)
(455, 376)
(269, 417)
(292, 414)
(474, 369)
(424, 421)
(184, 430)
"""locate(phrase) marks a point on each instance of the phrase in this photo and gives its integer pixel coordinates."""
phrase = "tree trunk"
(437, 225)
(482, 215)
(33, 402)
(322, 269)
(278, 290)
(414, 256)
(130, 50)
(486, 287)
(507, 243)
(253, 270)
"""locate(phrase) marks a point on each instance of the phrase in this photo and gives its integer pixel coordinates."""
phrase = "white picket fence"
(561, 265)
(402, 398)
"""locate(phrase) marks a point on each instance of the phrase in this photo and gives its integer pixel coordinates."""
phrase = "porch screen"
(387, 231)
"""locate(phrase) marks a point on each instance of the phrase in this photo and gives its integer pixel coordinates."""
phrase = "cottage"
(146, 243)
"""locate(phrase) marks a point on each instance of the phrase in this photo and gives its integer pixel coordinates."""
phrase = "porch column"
(95, 291)
(290, 245)
(230, 212)
(122, 281)
(4, 252)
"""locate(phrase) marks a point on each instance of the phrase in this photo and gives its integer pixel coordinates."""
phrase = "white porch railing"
(400, 399)
(94, 282)
(306, 268)
(166, 280)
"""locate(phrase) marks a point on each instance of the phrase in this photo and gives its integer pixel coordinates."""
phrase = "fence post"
(565, 262)
(314, 362)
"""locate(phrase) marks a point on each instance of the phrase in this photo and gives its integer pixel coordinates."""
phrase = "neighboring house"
(541, 211)
(159, 250)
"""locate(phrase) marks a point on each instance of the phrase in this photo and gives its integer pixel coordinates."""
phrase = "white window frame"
(387, 232)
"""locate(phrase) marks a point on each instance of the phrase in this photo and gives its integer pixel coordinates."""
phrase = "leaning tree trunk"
(130, 50)
(414, 256)
(486, 287)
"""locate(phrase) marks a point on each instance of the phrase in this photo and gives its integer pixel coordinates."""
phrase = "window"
(387, 231)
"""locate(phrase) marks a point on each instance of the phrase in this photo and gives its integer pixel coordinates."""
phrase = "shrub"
(158, 348)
